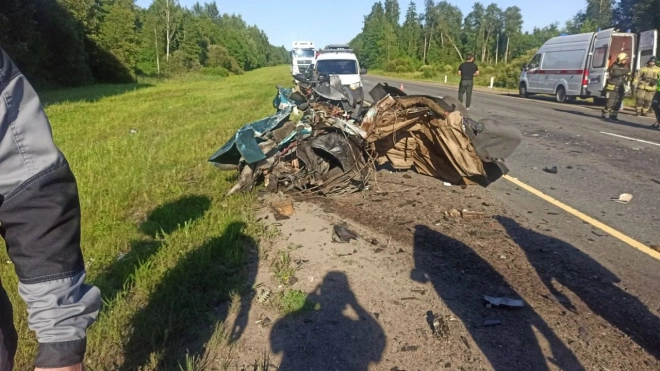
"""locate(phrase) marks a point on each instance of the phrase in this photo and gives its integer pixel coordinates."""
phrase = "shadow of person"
(339, 335)
(462, 278)
(165, 219)
(182, 312)
(590, 281)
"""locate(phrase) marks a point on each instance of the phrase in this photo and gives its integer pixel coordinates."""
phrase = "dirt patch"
(409, 293)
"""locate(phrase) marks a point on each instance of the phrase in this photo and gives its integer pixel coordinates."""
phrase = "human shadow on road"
(329, 338)
(594, 284)
(618, 122)
(182, 313)
(165, 219)
(462, 278)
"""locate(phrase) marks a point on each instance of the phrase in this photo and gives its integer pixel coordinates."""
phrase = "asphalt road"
(592, 167)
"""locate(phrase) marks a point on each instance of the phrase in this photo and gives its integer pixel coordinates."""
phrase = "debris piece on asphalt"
(453, 213)
(409, 348)
(342, 234)
(471, 215)
(282, 209)
(551, 170)
(263, 295)
(655, 247)
(492, 322)
(502, 302)
(439, 326)
(264, 322)
(569, 167)
(624, 198)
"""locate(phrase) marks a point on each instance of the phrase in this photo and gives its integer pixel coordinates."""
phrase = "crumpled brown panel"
(418, 131)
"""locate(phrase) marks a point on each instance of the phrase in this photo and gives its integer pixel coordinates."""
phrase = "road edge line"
(609, 230)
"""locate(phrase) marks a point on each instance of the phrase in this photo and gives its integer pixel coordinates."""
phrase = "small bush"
(215, 71)
(428, 72)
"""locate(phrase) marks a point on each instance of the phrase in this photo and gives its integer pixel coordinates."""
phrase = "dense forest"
(438, 37)
(76, 42)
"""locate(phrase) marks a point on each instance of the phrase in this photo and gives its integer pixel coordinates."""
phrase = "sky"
(338, 21)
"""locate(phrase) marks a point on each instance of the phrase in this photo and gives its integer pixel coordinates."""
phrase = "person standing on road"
(656, 105)
(40, 224)
(618, 73)
(646, 80)
(467, 71)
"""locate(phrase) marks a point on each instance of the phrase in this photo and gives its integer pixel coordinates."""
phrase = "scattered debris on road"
(502, 302)
(342, 234)
(282, 209)
(321, 140)
(551, 170)
(624, 198)
(492, 322)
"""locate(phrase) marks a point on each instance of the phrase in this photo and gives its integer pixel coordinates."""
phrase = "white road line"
(629, 138)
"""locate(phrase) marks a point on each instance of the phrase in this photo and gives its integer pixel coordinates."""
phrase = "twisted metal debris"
(321, 141)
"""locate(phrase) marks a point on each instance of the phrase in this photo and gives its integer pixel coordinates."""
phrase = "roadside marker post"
(492, 81)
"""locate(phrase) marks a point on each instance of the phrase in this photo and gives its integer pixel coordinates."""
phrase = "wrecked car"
(321, 141)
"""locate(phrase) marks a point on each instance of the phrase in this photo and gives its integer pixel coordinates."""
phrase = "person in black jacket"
(40, 223)
(618, 73)
(467, 71)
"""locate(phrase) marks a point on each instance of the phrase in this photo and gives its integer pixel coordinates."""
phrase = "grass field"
(168, 251)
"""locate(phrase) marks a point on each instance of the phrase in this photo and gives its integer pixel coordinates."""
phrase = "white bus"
(571, 66)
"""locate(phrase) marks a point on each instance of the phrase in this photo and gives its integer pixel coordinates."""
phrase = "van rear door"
(598, 64)
(647, 47)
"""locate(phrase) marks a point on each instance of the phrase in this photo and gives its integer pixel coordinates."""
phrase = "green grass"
(295, 302)
(166, 248)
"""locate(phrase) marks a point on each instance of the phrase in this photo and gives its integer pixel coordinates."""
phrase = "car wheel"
(523, 90)
(560, 95)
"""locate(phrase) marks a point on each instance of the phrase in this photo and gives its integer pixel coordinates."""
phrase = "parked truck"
(303, 55)
(572, 66)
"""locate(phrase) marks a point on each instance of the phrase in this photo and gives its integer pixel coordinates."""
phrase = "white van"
(571, 66)
(341, 61)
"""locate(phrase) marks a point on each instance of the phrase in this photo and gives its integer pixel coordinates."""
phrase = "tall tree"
(392, 11)
(117, 32)
(411, 31)
(512, 27)
(474, 27)
(170, 15)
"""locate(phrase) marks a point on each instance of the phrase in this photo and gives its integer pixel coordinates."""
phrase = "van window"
(600, 57)
(536, 62)
(563, 60)
(337, 67)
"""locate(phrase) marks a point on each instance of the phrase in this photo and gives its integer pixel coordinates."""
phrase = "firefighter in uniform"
(656, 105)
(619, 73)
(646, 80)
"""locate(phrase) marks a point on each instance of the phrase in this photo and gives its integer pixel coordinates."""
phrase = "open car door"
(648, 41)
(599, 62)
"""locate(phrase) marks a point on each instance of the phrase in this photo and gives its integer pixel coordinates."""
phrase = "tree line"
(440, 36)
(77, 42)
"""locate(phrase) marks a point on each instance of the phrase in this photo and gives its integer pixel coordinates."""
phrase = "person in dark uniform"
(618, 73)
(467, 71)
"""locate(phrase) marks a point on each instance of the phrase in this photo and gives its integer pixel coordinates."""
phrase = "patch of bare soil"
(409, 293)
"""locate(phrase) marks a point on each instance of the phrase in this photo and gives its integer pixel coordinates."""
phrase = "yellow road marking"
(636, 244)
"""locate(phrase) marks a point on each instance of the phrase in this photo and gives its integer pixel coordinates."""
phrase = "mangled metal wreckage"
(322, 141)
